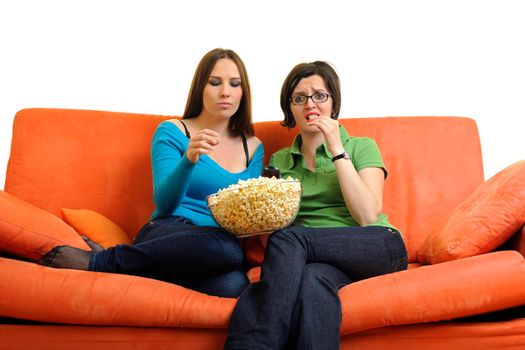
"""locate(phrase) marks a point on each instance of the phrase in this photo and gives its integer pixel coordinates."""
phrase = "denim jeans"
(206, 259)
(295, 305)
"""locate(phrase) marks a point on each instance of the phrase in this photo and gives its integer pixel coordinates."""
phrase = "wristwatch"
(343, 155)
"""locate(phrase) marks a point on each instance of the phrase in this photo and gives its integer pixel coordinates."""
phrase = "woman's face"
(223, 91)
(302, 113)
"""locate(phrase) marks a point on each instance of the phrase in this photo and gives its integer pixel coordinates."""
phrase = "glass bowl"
(256, 206)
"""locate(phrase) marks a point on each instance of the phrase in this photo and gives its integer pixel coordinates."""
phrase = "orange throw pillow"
(30, 232)
(95, 226)
(484, 221)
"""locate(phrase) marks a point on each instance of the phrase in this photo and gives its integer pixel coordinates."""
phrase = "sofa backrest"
(433, 164)
(97, 160)
(100, 160)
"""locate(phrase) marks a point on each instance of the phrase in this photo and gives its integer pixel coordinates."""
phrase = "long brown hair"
(241, 122)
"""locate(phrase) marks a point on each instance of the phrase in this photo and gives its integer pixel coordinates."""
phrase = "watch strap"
(344, 155)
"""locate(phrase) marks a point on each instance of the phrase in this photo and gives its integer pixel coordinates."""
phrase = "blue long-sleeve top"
(180, 187)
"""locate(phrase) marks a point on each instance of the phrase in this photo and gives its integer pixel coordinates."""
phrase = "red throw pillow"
(95, 226)
(484, 221)
(30, 232)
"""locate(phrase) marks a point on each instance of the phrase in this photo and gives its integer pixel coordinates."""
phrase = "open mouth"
(312, 116)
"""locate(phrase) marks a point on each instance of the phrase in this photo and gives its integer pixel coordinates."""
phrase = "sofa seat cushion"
(483, 221)
(29, 232)
(425, 294)
(96, 298)
(432, 293)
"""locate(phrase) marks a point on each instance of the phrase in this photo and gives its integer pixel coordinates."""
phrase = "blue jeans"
(295, 305)
(206, 259)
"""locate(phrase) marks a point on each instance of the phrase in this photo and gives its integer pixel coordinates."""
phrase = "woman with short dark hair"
(340, 234)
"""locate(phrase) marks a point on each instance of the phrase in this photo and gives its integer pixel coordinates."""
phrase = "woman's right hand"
(331, 132)
(201, 143)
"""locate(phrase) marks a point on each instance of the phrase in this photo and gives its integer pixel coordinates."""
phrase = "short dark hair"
(304, 70)
(241, 122)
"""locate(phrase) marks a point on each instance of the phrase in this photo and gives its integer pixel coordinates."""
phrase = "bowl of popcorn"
(257, 205)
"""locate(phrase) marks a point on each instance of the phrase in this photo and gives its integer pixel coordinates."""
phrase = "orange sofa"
(464, 289)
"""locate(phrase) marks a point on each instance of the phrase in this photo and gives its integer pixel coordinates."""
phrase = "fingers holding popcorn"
(201, 143)
(330, 129)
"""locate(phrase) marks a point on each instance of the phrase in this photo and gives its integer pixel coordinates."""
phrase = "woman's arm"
(363, 190)
(173, 159)
(171, 168)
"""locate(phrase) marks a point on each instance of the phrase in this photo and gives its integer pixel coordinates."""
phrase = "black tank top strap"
(246, 153)
(185, 129)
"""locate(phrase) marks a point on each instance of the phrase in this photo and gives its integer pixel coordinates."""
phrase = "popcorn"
(256, 205)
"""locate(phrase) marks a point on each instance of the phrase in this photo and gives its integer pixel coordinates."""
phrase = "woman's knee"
(314, 272)
(289, 235)
(229, 285)
(233, 253)
(319, 276)
(235, 284)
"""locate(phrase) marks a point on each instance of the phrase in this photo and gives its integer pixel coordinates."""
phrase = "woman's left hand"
(330, 129)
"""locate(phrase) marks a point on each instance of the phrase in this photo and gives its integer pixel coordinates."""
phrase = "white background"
(394, 57)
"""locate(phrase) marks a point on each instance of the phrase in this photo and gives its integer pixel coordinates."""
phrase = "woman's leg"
(262, 316)
(173, 248)
(169, 249)
(359, 252)
(229, 285)
(317, 314)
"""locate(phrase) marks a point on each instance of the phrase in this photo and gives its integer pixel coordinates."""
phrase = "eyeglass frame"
(327, 95)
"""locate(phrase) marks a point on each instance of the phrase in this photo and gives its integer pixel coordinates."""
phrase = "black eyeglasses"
(318, 97)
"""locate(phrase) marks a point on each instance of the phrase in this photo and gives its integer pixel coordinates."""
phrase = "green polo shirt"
(322, 203)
